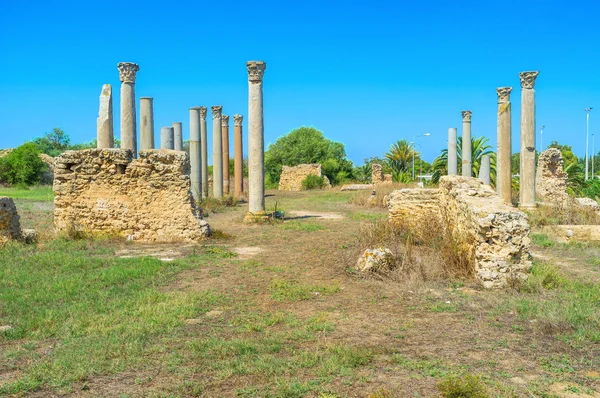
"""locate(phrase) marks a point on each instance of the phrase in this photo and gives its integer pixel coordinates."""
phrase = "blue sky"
(365, 73)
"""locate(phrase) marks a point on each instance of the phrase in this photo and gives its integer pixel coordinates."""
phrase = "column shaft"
(105, 137)
(484, 169)
(146, 123)
(127, 72)
(217, 153)
(178, 136)
(166, 138)
(195, 171)
(225, 138)
(204, 152)
(256, 143)
(467, 167)
(527, 156)
(452, 156)
(238, 156)
(504, 151)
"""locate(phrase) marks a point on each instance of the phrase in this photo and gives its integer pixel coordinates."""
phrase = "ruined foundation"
(10, 225)
(292, 176)
(107, 192)
(494, 234)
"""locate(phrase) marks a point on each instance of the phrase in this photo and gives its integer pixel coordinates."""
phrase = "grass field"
(290, 318)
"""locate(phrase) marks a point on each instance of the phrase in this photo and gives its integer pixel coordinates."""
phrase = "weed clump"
(313, 182)
(467, 386)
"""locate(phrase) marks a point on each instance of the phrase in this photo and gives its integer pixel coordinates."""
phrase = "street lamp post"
(542, 138)
(413, 152)
(587, 133)
(593, 156)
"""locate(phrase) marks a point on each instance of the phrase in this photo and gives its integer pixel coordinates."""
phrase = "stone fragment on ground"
(356, 187)
(376, 260)
(314, 214)
(5, 328)
(247, 252)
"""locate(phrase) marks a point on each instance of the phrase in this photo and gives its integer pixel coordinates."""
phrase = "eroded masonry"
(107, 191)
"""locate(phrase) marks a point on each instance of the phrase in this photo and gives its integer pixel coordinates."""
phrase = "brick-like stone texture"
(10, 225)
(551, 179)
(292, 176)
(493, 234)
(106, 191)
(376, 173)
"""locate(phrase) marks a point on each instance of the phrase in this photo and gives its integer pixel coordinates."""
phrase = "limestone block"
(376, 260)
(292, 176)
(387, 178)
(376, 173)
(414, 209)
(356, 187)
(551, 179)
(106, 191)
(587, 202)
(10, 225)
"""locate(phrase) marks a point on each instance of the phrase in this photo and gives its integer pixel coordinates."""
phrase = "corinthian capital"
(225, 121)
(528, 78)
(256, 70)
(203, 112)
(503, 94)
(216, 111)
(237, 120)
(127, 71)
(466, 115)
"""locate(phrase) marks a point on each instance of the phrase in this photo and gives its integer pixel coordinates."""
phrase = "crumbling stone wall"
(551, 179)
(415, 209)
(376, 173)
(493, 234)
(10, 225)
(292, 176)
(387, 178)
(106, 191)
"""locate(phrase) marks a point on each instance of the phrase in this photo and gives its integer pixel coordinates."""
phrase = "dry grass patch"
(361, 198)
(563, 214)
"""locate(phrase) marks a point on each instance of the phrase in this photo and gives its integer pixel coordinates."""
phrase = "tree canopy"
(307, 145)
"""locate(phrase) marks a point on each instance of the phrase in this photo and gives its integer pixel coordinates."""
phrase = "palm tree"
(400, 158)
(479, 147)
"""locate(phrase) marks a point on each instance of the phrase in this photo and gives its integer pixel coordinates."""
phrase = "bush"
(313, 182)
(23, 166)
(466, 386)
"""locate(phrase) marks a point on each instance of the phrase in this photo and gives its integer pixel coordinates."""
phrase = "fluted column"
(166, 138)
(527, 169)
(204, 152)
(238, 156)
(467, 167)
(105, 136)
(146, 123)
(178, 136)
(504, 151)
(195, 172)
(217, 153)
(452, 156)
(256, 139)
(127, 71)
(484, 169)
(225, 138)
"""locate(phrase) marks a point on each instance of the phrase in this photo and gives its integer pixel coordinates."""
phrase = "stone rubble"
(376, 260)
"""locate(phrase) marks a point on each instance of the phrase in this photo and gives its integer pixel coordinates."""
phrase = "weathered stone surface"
(105, 136)
(256, 138)
(387, 178)
(376, 260)
(376, 173)
(587, 202)
(10, 225)
(108, 192)
(356, 187)
(292, 176)
(551, 179)
(574, 233)
(494, 234)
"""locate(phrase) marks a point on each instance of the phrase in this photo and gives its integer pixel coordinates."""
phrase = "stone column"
(178, 136)
(484, 169)
(195, 165)
(504, 151)
(204, 152)
(166, 138)
(452, 156)
(217, 153)
(238, 156)
(256, 139)
(127, 71)
(146, 123)
(105, 136)
(466, 144)
(527, 172)
(225, 143)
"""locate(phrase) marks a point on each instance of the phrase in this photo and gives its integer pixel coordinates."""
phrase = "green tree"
(479, 147)
(22, 166)
(364, 173)
(567, 153)
(307, 145)
(400, 159)
(53, 143)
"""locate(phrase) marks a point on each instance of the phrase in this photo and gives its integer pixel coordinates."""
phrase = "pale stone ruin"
(467, 167)
(107, 191)
(10, 223)
(527, 160)
(551, 179)
(494, 234)
(387, 178)
(504, 152)
(238, 156)
(105, 137)
(376, 173)
(292, 176)
(225, 142)
(376, 260)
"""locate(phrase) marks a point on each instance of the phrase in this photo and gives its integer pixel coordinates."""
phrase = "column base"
(527, 206)
(262, 216)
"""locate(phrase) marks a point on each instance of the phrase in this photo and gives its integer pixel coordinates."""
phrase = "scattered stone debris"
(356, 187)
(376, 260)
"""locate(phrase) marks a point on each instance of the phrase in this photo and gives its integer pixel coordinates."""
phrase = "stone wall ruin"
(106, 191)
(10, 225)
(551, 179)
(292, 176)
(494, 234)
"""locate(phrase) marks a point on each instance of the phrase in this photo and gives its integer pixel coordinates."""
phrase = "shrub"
(467, 386)
(22, 166)
(313, 182)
